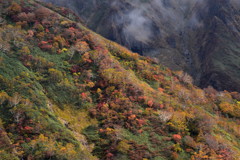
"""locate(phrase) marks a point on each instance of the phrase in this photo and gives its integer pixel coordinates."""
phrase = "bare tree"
(165, 116)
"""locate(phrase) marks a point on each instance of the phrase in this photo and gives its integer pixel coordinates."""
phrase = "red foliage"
(21, 141)
(175, 155)
(75, 69)
(160, 90)
(43, 42)
(100, 105)
(44, 45)
(72, 34)
(189, 150)
(71, 28)
(141, 99)
(132, 117)
(161, 106)
(109, 156)
(150, 103)
(30, 34)
(141, 122)
(83, 95)
(69, 34)
(28, 139)
(140, 131)
(177, 137)
(28, 128)
(225, 154)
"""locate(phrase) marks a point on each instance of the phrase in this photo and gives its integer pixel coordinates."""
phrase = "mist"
(139, 26)
(138, 21)
(142, 18)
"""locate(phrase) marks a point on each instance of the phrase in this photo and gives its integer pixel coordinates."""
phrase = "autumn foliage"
(67, 93)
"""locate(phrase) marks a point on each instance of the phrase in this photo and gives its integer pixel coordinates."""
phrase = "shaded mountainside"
(67, 93)
(219, 49)
(198, 36)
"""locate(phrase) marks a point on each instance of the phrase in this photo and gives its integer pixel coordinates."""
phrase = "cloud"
(139, 26)
(138, 20)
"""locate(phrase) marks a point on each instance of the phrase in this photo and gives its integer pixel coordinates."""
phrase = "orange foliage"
(150, 103)
(177, 137)
(161, 90)
(14, 9)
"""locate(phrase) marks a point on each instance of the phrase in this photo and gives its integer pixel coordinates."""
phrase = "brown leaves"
(14, 9)
(42, 13)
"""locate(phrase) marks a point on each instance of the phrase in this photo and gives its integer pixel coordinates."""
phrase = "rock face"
(198, 36)
(218, 51)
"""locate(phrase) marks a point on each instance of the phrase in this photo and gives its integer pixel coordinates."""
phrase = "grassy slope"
(103, 101)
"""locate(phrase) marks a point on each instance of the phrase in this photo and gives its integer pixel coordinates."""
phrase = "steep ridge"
(219, 49)
(198, 36)
(68, 93)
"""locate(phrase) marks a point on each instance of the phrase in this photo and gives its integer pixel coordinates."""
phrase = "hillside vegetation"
(66, 93)
(200, 37)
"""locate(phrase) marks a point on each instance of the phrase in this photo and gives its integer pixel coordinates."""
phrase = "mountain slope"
(199, 37)
(68, 93)
(219, 46)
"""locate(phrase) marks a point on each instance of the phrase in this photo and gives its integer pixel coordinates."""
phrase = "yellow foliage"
(123, 146)
(109, 130)
(82, 46)
(61, 42)
(178, 122)
(53, 147)
(68, 151)
(77, 120)
(63, 23)
(3, 97)
(77, 74)
(64, 50)
(200, 155)
(99, 91)
(177, 148)
(24, 50)
(226, 107)
(55, 74)
(91, 84)
(14, 9)
(231, 109)
(40, 35)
